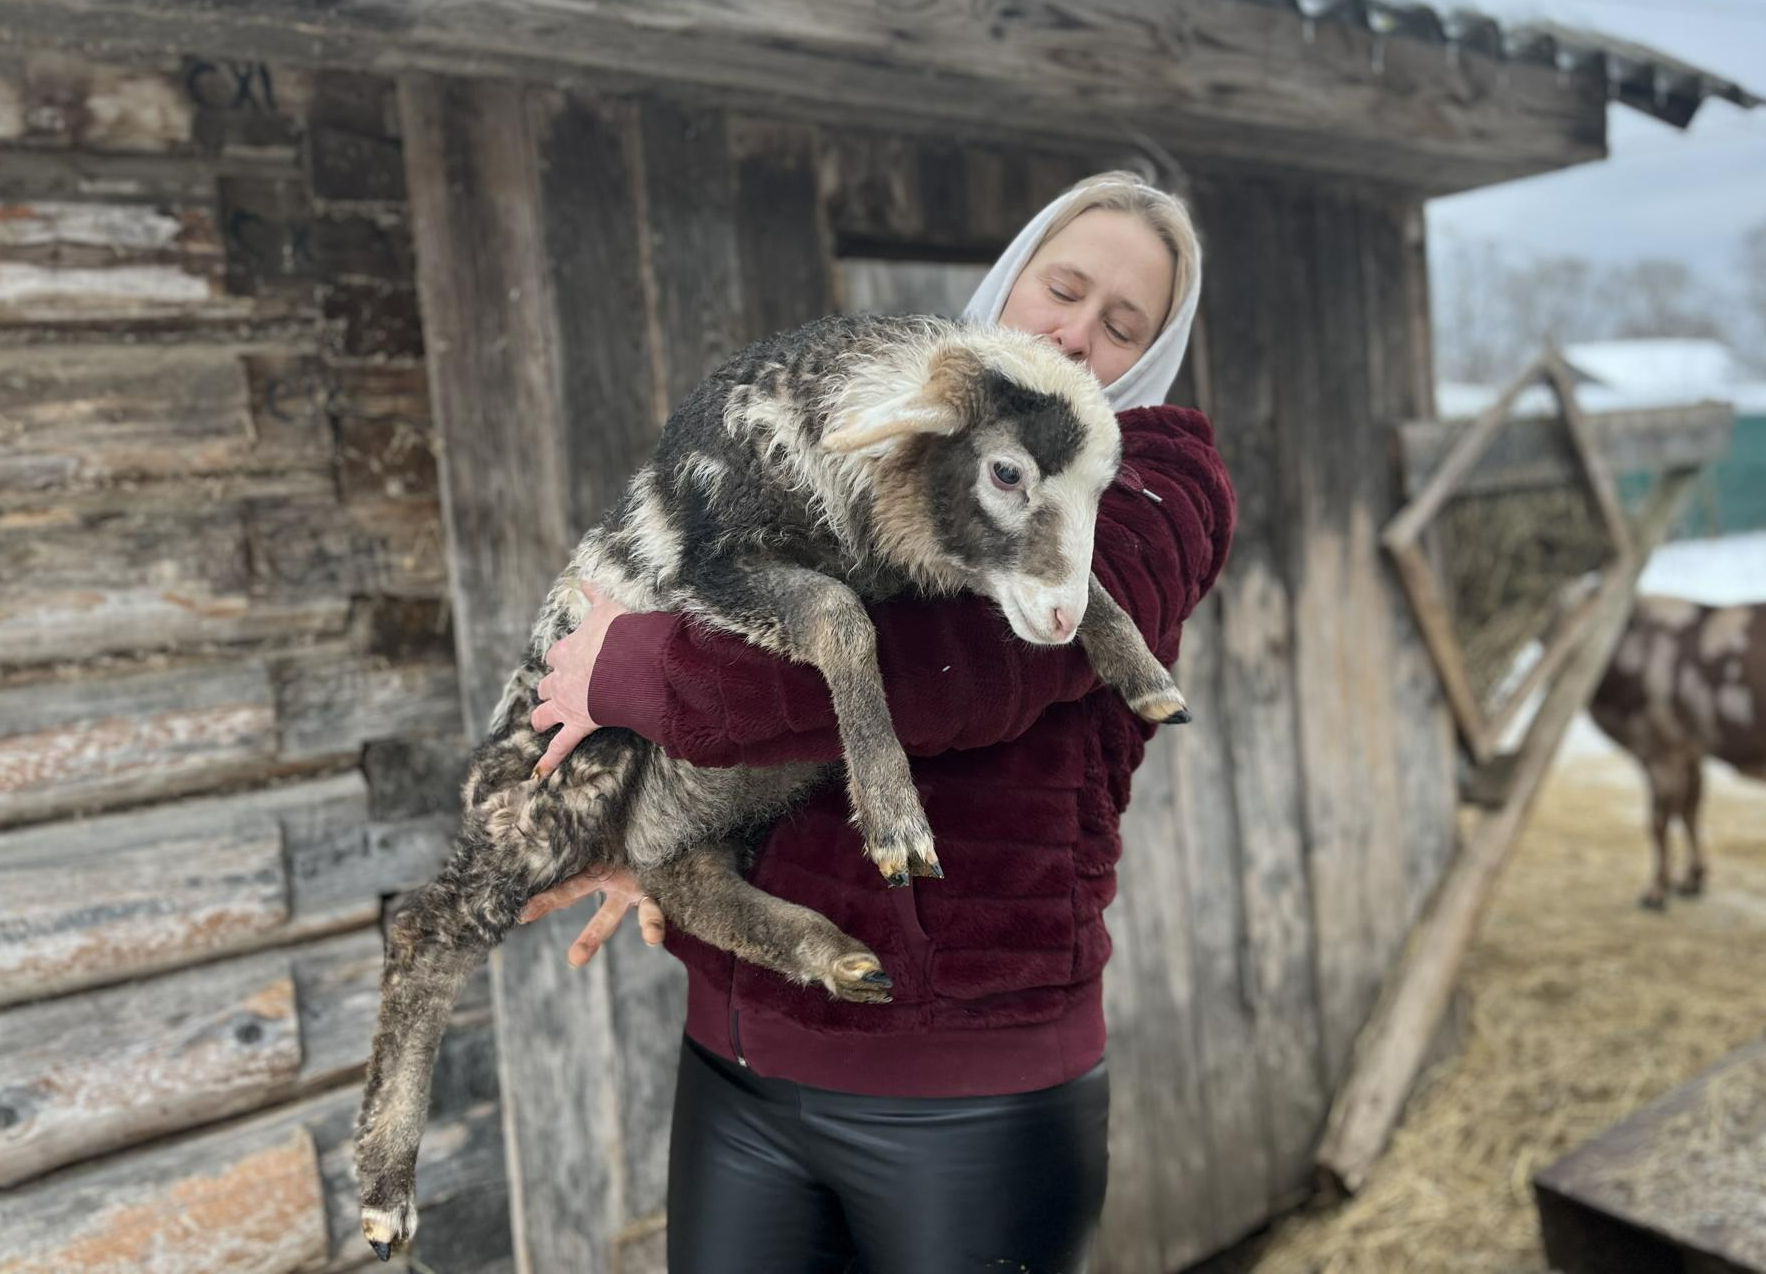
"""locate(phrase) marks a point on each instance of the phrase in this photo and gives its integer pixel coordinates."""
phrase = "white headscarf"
(1149, 380)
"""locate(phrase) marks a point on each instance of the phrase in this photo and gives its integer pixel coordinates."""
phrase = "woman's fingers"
(544, 717)
(560, 747)
(650, 921)
(570, 890)
(597, 931)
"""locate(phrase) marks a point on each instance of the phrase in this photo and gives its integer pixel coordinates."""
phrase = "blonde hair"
(1164, 214)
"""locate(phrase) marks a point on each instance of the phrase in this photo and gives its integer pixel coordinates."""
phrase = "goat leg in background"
(1120, 656)
(815, 619)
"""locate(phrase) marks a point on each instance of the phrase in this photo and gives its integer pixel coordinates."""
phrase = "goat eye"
(1006, 475)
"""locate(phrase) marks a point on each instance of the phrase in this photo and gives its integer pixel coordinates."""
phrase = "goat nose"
(1061, 622)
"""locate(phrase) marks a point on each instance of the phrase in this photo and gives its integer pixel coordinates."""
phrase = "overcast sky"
(1663, 191)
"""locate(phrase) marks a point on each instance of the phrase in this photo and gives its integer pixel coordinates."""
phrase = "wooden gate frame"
(1403, 536)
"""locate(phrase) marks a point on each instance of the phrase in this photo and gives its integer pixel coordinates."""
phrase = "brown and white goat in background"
(1687, 681)
(837, 464)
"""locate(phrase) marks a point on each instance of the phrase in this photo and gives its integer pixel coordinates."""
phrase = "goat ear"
(944, 404)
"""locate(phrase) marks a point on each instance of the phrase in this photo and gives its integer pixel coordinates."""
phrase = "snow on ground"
(1718, 572)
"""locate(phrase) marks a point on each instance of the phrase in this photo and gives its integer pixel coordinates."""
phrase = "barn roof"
(1639, 76)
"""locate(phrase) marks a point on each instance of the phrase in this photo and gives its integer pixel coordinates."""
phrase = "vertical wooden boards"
(471, 169)
(1400, 374)
(689, 198)
(1343, 628)
(1246, 353)
(783, 244)
(1157, 1212)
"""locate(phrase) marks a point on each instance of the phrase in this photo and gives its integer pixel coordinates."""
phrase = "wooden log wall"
(228, 704)
(1277, 850)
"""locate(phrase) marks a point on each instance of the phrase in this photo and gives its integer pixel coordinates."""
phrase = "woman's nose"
(1072, 340)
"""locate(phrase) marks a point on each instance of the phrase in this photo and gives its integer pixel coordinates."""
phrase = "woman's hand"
(620, 889)
(564, 692)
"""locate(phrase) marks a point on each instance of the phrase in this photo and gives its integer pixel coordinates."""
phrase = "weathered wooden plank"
(98, 579)
(591, 170)
(95, 260)
(391, 548)
(128, 914)
(1343, 653)
(1530, 451)
(87, 1075)
(1215, 77)
(782, 238)
(240, 1197)
(1235, 1124)
(483, 211)
(131, 737)
(251, 1205)
(333, 702)
(334, 859)
(1400, 381)
(470, 168)
(1156, 1212)
(1258, 367)
(689, 207)
(55, 99)
(1676, 1186)
(1391, 1046)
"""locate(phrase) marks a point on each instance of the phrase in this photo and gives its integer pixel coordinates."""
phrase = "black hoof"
(1180, 717)
(876, 977)
(1649, 902)
(937, 872)
(382, 1250)
(898, 879)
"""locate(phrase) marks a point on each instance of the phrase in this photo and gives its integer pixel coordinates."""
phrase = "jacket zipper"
(736, 1037)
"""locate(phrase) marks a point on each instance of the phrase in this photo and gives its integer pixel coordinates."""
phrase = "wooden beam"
(1529, 452)
(1206, 78)
(1391, 1047)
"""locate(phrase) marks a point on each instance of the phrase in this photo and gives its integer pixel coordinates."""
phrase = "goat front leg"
(702, 892)
(807, 616)
(1121, 659)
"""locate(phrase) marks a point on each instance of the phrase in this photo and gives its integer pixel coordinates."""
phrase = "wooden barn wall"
(228, 704)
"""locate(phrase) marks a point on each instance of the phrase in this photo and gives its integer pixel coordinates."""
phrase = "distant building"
(1644, 372)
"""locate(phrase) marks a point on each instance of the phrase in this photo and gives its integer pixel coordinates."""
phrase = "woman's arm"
(955, 674)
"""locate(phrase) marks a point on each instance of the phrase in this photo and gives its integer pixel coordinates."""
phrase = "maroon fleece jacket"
(1022, 759)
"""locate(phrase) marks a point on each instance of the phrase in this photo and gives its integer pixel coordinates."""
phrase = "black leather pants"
(770, 1177)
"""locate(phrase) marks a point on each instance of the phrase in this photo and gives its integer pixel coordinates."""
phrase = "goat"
(842, 462)
(1686, 682)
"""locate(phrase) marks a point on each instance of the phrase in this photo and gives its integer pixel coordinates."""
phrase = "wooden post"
(1390, 1049)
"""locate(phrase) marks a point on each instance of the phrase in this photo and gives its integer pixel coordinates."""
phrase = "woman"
(963, 1125)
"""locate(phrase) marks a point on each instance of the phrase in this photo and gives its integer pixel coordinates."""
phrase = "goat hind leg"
(516, 840)
(1121, 659)
(702, 892)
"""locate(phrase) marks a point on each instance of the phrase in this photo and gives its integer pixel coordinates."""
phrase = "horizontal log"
(76, 422)
(1533, 451)
(84, 1076)
(109, 740)
(160, 104)
(139, 907)
(1208, 78)
(198, 879)
(274, 1193)
(112, 740)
